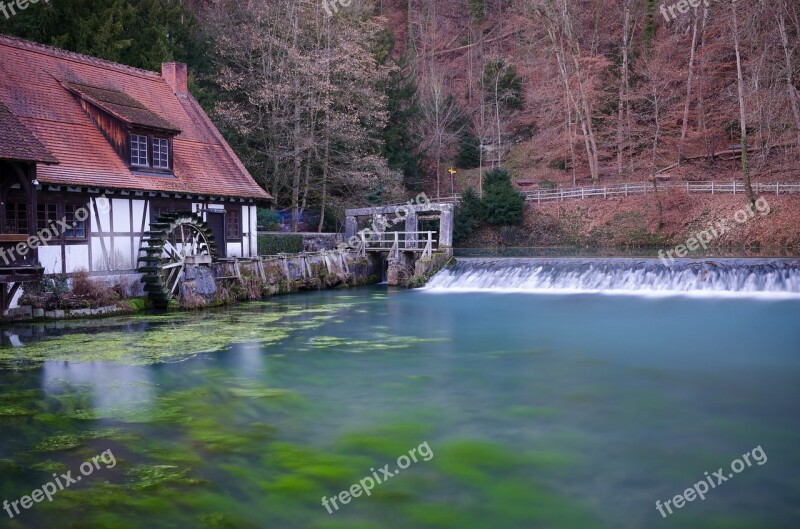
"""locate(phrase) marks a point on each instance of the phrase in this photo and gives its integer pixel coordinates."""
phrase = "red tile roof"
(18, 143)
(121, 106)
(33, 85)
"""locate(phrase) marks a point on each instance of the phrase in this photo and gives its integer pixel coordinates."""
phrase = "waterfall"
(743, 277)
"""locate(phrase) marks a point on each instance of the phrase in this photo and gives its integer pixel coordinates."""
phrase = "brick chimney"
(176, 76)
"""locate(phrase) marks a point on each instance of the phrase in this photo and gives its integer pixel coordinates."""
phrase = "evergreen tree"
(468, 215)
(503, 205)
(469, 154)
(139, 33)
(401, 145)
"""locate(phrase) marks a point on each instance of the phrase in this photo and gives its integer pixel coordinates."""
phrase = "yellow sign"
(451, 171)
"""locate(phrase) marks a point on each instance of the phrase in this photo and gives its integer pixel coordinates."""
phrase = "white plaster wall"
(252, 231)
(103, 215)
(139, 210)
(234, 249)
(50, 259)
(77, 257)
(121, 210)
(99, 263)
(122, 258)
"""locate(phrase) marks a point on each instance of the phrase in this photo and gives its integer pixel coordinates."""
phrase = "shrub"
(268, 219)
(468, 215)
(92, 290)
(275, 243)
(503, 205)
(47, 293)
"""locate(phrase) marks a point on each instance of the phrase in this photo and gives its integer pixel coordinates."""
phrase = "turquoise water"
(545, 410)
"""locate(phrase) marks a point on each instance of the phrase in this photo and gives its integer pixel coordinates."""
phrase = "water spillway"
(743, 277)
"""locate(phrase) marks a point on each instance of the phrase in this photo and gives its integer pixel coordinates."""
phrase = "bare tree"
(441, 115)
(742, 112)
(792, 93)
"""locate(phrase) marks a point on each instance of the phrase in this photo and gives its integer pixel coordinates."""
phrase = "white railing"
(644, 188)
(398, 241)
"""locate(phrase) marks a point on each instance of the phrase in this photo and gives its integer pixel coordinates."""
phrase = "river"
(538, 409)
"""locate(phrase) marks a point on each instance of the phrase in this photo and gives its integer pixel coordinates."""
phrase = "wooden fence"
(616, 190)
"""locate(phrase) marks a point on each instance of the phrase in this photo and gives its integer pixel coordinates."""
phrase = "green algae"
(50, 467)
(259, 393)
(70, 441)
(144, 477)
(376, 342)
(172, 337)
(14, 411)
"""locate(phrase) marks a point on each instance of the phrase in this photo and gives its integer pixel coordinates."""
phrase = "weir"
(774, 277)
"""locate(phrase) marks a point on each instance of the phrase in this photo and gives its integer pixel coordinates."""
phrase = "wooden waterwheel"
(175, 241)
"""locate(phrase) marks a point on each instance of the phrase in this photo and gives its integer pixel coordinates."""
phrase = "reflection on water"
(541, 411)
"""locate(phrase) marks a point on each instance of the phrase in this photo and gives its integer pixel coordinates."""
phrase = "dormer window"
(141, 137)
(139, 151)
(160, 153)
(149, 151)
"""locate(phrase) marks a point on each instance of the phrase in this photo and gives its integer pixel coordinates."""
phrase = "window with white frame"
(161, 153)
(139, 150)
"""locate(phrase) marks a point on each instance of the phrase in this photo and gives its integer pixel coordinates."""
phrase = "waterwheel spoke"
(183, 242)
(177, 280)
(171, 250)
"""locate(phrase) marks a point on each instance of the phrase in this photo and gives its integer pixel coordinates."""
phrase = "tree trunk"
(742, 114)
(687, 104)
(497, 115)
(327, 156)
(623, 86)
(701, 105)
(298, 162)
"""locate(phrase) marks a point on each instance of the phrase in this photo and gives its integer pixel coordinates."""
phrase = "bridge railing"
(395, 242)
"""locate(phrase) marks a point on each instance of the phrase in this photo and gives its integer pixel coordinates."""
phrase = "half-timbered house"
(77, 133)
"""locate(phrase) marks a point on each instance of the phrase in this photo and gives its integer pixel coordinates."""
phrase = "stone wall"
(255, 278)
